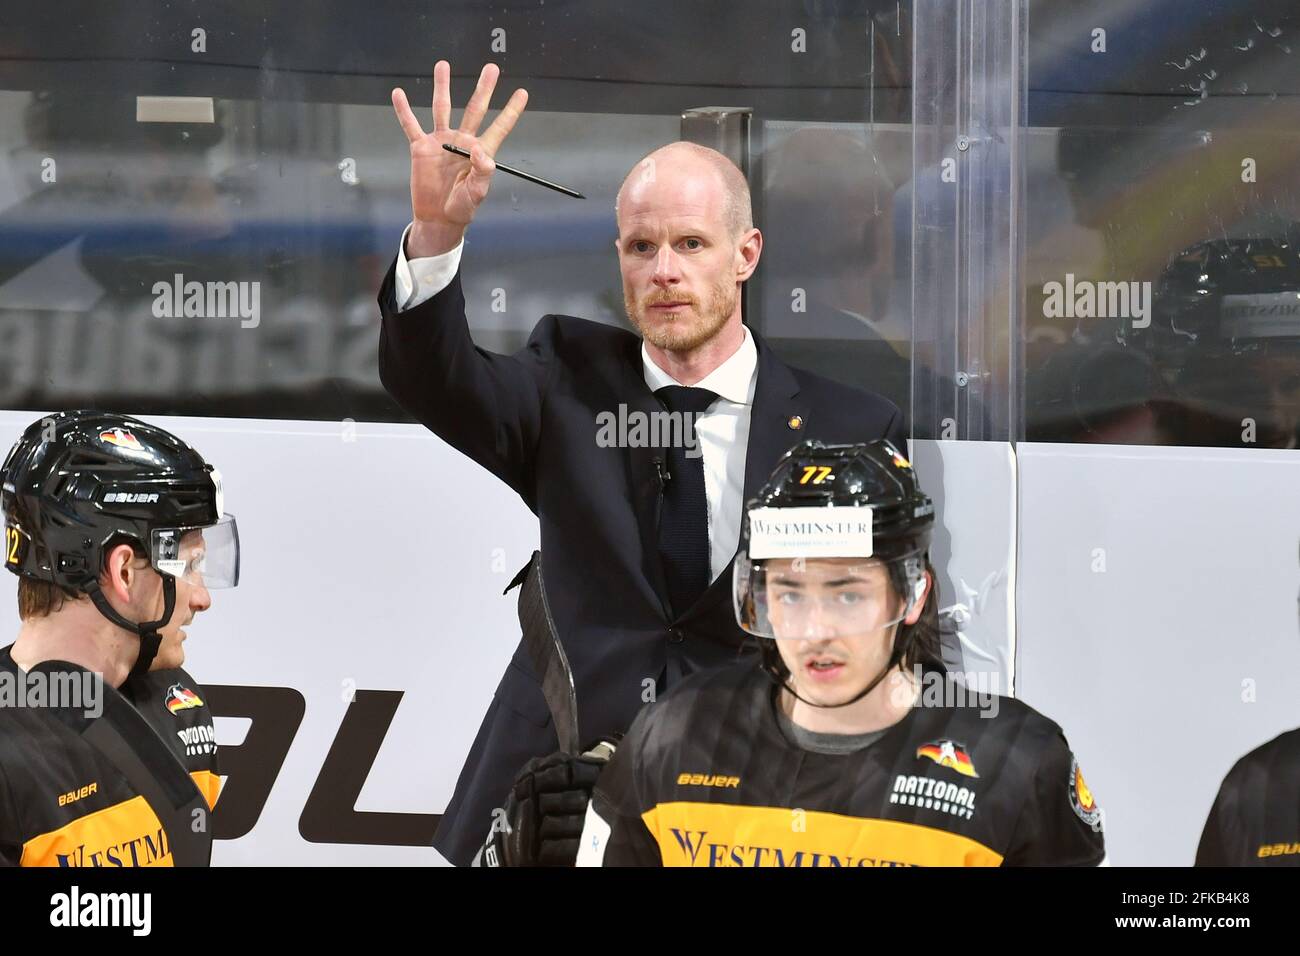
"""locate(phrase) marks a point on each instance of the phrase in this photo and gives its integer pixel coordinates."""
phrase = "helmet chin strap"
(895, 657)
(150, 637)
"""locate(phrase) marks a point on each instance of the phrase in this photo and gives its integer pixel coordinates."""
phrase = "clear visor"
(203, 556)
(819, 598)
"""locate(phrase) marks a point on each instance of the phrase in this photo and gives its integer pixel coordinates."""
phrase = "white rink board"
(973, 484)
(381, 561)
(1143, 663)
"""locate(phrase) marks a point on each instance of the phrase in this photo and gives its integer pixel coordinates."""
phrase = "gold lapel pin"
(795, 423)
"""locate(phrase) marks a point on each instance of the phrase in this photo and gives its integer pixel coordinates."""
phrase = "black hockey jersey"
(706, 777)
(66, 802)
(1255, 820)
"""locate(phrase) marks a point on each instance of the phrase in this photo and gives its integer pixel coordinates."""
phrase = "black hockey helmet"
(1224, 335)
(1234, 294)
(77, 484)
(858, 501)
(868, 504)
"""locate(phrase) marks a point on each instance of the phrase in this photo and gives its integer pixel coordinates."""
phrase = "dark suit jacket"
(530, 419)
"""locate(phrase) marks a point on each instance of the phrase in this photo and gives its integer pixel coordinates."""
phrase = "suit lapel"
(777, 405)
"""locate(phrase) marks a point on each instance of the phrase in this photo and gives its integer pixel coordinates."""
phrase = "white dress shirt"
(723, 430)
(419, 280)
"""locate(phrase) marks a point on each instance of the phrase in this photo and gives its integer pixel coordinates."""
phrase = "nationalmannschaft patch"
(181, 698)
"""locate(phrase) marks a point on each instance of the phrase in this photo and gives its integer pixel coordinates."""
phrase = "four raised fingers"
(475, 110)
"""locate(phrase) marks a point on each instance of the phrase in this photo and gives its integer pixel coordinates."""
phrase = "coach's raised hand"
(447, 189)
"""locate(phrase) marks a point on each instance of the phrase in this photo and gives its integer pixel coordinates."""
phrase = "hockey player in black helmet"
(848, 746)
(837, 477)
(1255, 817)
(875, 578)
(117, 532)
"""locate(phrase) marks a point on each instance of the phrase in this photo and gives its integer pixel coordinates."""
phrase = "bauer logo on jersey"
(121, 438)
(948, 753)
(1081, 798)
(181, 698)
(810, 533)
(707, 780)
(1277, 849)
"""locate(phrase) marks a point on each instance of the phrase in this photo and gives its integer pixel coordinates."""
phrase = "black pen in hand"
(520, 173)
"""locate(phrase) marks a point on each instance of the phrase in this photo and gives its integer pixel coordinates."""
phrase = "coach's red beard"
(687, 328)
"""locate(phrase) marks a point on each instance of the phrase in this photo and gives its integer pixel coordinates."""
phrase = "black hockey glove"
(545, 811)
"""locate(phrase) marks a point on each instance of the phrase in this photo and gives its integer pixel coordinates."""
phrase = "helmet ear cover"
(148, 631)
(150, 636)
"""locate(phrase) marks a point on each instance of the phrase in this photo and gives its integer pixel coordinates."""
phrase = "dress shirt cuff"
(419, 280)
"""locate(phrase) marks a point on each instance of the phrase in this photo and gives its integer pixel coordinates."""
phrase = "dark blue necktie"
(684, 519)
